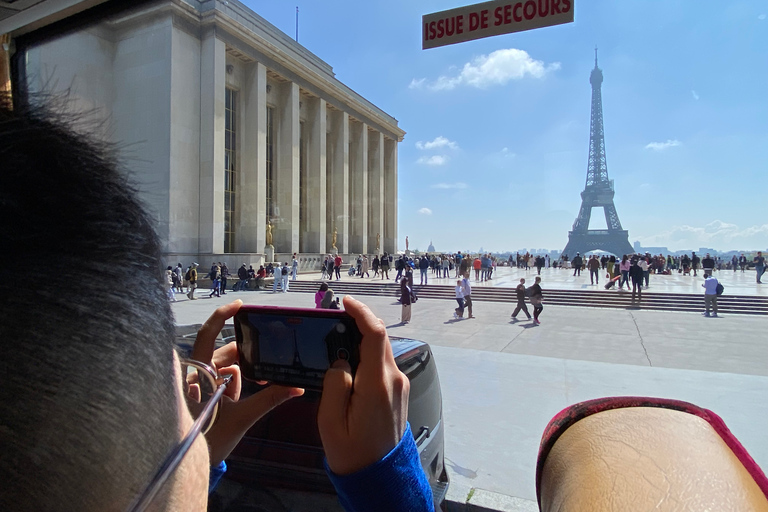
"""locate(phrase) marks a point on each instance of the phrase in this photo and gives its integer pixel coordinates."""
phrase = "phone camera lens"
(342, 353)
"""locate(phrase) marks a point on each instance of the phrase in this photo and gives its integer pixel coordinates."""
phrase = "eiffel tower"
(598, 191)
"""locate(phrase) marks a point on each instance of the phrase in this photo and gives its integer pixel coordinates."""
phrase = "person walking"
(643, 264)
(710, 295)
(537, 298)
(405, 301)
(521, 293)
(759, 266)
(192, 281)
(467, 289)
(294, 267)
(364, 268)
(695, 261)
(708, 264)
(611, 268)
(743, 262)
(624, 268)
(734, 263)
(477, 265)
(329, 267)
(224, 276)
(319, 294)
(459, 311)
(179, 270)
(423, 269)
(242, 275)
(337, 261)
(375, 265)
(594, 270)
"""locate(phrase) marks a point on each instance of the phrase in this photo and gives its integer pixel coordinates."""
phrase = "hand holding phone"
(362, 417)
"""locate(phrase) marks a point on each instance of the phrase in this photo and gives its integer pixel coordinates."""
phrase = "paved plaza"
(503, 381)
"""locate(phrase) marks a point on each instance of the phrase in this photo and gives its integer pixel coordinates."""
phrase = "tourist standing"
(710, 294)
(539, 264)
(636, 274)
(294, 267)
(459, 311)
(708, 264)
(643, 264)
(467, 289)
(423, 269)
(405, 301)
(743, 262)
(537, 297)
(446, 265)
(384, 264)
(520, 291)
(169, 283)
(759, 266)
(224, 276)
(594, 270)
(577, 264)
(337, 266)
(477, 265)
(375, 265)
(695, 260)
(329, 267)
(179, 270)
(734, 262)
(242, 275)
(364, 268)
(285, 271)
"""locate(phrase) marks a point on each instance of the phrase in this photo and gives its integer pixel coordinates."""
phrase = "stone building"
(229, 126)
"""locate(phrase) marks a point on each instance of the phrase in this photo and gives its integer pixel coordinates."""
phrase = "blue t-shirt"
(395, 483)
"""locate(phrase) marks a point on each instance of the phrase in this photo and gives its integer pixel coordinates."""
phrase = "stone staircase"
(730, 304)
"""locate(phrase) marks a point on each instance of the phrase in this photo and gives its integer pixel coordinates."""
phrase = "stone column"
(358, 174)
(252, 195)
(339, 201)
(389, 236)
(286, 228)
(375, 189)
(316, 176)
(212, 78)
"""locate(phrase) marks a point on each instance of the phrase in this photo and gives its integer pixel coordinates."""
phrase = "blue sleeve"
(395, 483)
(215, 476)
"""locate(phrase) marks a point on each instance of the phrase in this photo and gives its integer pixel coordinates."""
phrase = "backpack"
(720, 289)
(187, 276)
(285, 271)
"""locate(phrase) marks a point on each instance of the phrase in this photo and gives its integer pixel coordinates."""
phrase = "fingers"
(337, 388)
(235, 385)
(375, 346)
(226, 355)
(206, 336)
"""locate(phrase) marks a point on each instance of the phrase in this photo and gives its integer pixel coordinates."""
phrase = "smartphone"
(294, 346)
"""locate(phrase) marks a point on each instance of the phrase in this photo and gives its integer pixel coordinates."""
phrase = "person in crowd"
(520, 291)
(624, 267)
(485, 263)
(446, 265)
(242, 275)
(320, 294)
(459, 311)
(743, 262)
(577, 261)
(710, 294)
(611, 268)
(364, 268)
(406, 297)
(352, 270)
(400, 267)
(636, 275)
(179, 271)
(214, 276)
(384, 263)
(467, 289)
(359, 264)
(537, 297)
(329, 301)
(423, 269)
(330, 266)
(708, 264)
(224, 275)
(734, 263)
(477, 265)
(260, 275)
(91, 447)
(285, 274)
(642, 262)
(457, 261)
(695, 263)
(323, 269)
(375, 265)
(278, 278)
(192, 281)
(295, 267)
(593, 265)
(170, 283)
(539, 261)
(759, 266)
(270, 268)
(337, 261)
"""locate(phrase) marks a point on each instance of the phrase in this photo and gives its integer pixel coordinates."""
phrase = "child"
(459, 311)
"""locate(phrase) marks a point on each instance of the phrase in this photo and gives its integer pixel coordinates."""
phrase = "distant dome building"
(431, 247)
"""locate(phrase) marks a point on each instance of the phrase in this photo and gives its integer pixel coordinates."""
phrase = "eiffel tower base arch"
(612, 241)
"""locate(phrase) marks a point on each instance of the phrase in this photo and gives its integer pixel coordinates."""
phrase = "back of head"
(88, 401)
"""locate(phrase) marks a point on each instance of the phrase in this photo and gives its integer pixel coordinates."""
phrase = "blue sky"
(495, 153)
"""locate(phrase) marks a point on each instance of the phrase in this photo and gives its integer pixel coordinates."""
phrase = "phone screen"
(293, 346)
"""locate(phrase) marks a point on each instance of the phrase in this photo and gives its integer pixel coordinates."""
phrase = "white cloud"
(719, 234)
(433, 160)
(457, 185)
(439, 142)
(761, 17)
(425, 211)
(695, 96)
(496, 68)
(661, 146)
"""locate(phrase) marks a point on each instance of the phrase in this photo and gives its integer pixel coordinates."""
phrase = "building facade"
(233, 132)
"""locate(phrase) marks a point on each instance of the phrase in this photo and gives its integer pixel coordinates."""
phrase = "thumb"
(337, 387)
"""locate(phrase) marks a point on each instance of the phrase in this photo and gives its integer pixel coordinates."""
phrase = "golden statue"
(269, 233)
(333, 242)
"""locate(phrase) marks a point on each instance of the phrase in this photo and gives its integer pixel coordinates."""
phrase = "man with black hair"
(192, 281)
(92, 402)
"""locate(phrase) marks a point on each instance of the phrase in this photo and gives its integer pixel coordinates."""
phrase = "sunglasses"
(203, 389)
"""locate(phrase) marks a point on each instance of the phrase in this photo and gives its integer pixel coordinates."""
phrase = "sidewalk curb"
(480, 500)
